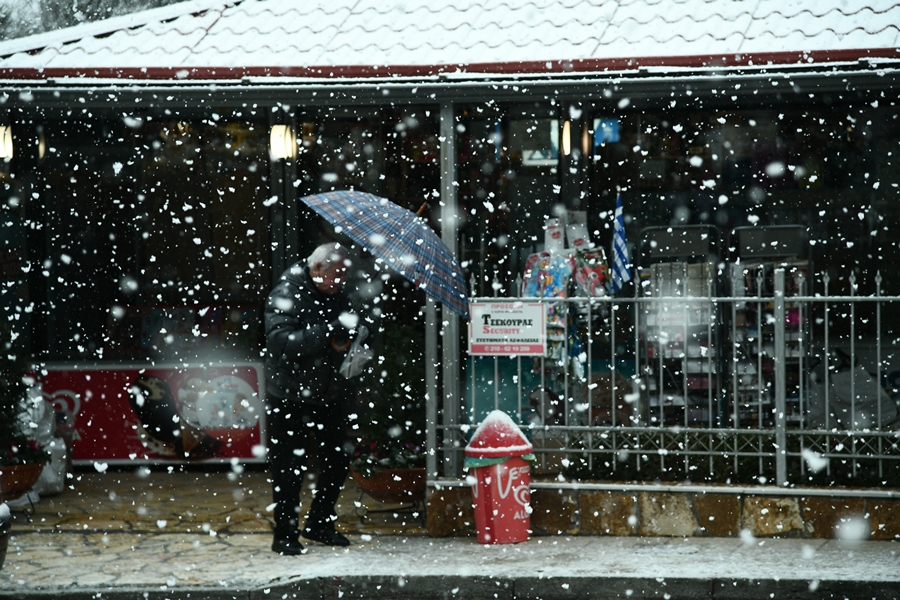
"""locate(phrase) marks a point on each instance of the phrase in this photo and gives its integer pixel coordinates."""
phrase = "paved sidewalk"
(176, 566)
(205, 535)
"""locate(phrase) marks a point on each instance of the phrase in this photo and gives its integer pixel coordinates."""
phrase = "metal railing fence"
(782, 389)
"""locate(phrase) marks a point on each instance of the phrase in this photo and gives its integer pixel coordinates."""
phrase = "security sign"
(507, 328)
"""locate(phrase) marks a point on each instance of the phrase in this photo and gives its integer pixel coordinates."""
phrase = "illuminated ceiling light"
(567, 138)
(42, 144)
(283, 142)
(586, 140)
(6, 142)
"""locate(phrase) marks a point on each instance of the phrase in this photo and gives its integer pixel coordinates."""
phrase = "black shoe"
(329, 537)
(288, 547)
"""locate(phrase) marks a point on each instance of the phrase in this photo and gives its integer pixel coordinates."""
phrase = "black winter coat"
(301, 364)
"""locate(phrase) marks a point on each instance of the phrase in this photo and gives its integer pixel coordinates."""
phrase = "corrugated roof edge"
(103, 27)
(761, 59)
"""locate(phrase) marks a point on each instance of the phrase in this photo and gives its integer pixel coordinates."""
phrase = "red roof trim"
(504, 68)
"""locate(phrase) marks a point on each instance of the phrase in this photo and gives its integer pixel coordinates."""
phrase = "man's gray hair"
(327, 254)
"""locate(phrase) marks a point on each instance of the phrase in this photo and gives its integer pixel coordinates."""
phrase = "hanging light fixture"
(586, 137)
(42, 142)
(283, 142)
(6, 142)
(567, 138)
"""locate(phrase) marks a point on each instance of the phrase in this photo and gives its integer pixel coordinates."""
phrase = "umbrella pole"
(421, 209)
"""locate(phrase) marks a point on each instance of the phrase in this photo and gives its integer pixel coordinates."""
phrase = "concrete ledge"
(569, 588)
(688, 514)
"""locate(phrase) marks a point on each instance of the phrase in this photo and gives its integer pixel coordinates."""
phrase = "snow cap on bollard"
(498, 437)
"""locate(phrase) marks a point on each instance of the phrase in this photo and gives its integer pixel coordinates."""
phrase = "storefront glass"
(393, 153)
(833, 170)
(509, 183)
(156, 238)
(704, 178)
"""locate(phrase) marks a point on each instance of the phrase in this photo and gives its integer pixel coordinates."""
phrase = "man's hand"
(341, 335)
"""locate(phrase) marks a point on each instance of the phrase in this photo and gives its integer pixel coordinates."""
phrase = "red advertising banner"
(177, 413)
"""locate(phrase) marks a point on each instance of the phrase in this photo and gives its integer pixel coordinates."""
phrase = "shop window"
(392, 153)
(827, 169)
(535, 142)
(509, 183)
(606, 131)
(159, 238)
(395, 154)
(14, 314)
(349, 153)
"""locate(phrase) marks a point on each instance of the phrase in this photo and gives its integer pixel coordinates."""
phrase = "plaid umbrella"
(400, 238)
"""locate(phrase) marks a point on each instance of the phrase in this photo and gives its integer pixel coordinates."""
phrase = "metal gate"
(773, 387)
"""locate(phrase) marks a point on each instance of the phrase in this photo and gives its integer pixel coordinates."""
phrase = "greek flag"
(621, 271)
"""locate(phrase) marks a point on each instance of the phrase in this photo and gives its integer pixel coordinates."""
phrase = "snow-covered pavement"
(199, 565)
(135, 534)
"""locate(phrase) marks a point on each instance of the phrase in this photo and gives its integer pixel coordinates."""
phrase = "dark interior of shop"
(149, 236)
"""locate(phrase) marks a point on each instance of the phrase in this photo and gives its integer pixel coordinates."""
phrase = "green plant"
(391, 430)
(22, 451)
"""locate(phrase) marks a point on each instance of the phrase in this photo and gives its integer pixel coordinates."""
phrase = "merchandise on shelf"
(753, 341)
(679, 333)
(591, 275)
(567, 274)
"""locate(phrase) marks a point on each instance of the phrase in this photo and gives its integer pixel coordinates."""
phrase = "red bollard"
(498, 453)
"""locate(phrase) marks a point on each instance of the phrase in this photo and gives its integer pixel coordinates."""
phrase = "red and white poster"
(177, 413)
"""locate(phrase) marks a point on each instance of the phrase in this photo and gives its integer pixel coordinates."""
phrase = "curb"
(484, 588)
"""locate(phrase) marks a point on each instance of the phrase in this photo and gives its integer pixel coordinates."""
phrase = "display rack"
(679, 326)
(574, 329)
(759, 252)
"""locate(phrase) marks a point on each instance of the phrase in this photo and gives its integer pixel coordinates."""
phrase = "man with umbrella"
(308, 328)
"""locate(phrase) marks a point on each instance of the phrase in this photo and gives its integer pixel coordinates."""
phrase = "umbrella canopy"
(400, 238)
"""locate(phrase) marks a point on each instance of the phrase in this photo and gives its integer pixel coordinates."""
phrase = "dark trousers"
(296, 431)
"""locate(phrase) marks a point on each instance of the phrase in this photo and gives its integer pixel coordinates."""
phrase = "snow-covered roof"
(328, 38)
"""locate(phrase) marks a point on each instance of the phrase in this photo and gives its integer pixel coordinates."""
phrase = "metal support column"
(431, 388)
(780, 383)
(450, 321)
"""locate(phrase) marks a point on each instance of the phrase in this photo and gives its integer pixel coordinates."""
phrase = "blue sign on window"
(605, 131)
